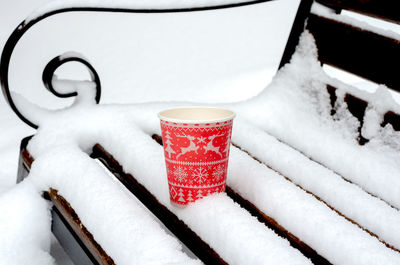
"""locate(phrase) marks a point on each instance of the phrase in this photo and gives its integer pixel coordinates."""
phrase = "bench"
(346, 46)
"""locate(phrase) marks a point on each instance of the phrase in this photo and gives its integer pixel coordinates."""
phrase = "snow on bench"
(230, 230)
(223, 224)
(142, 157)
(24, 226)
(331, 235)
(258, 189)
(323, 188)
(132, 149)
(349, 199)
(296, 110)
(119, 223)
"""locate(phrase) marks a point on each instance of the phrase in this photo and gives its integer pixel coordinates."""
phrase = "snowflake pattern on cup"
(196, 158)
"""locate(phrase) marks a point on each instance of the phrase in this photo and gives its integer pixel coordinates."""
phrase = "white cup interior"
(196, 115)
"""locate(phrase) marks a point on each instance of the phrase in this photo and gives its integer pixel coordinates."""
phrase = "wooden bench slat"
(67, 212)
(294, 241)
(393, 119)
(201, 249)
(325, 165)
(253, 209)
(271, 223)
(345, 47)
(63, 210)
(357, 108)
(383, 9)
(70, 242)
(85, 239)
(115, 168)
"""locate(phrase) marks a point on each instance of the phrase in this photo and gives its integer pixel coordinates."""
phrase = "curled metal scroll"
(17, 34)
(51, 67)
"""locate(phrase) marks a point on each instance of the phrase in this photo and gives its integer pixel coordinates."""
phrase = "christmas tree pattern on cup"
(196, 158)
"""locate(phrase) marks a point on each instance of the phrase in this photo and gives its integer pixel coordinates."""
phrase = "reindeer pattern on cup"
(207, 144)
(196, 158)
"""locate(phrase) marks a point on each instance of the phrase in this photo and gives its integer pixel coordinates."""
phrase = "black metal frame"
(51, 67)
(298, 27)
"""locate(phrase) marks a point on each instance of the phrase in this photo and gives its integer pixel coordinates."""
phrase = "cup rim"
(231, 116)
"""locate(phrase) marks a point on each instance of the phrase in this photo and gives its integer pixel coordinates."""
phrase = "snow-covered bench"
(315, 160)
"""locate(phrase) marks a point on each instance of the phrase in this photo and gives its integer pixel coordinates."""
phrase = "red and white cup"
(196, 147)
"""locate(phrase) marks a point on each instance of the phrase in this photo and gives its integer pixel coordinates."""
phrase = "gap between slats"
(270, 222)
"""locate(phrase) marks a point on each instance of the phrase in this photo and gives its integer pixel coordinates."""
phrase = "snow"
(294, 109)
(24, 226)
(382, 98)
(255, 70)
(220, 222)
(347, 198)
(336, 239)
(213, 220)
(216, 59)
(237, 235)
(100, 204)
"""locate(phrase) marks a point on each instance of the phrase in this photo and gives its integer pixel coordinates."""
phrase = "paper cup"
(196, 148)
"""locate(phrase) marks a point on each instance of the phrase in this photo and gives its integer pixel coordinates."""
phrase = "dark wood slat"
(254, 208)
(383, 9)
(86, 240)
(393, 119)
(201, 249)
(96, 252)
(71, 244)
(271, 223)
(332, 97)
(63, 210)
(358, 51)
(358, 106)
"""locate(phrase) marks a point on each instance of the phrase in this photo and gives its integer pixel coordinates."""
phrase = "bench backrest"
(103, 64)
(363, 52)
(359, 49)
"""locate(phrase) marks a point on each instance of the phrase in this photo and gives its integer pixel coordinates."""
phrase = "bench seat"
(313, 174)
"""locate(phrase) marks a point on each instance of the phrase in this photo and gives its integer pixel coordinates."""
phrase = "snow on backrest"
(366, 51)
